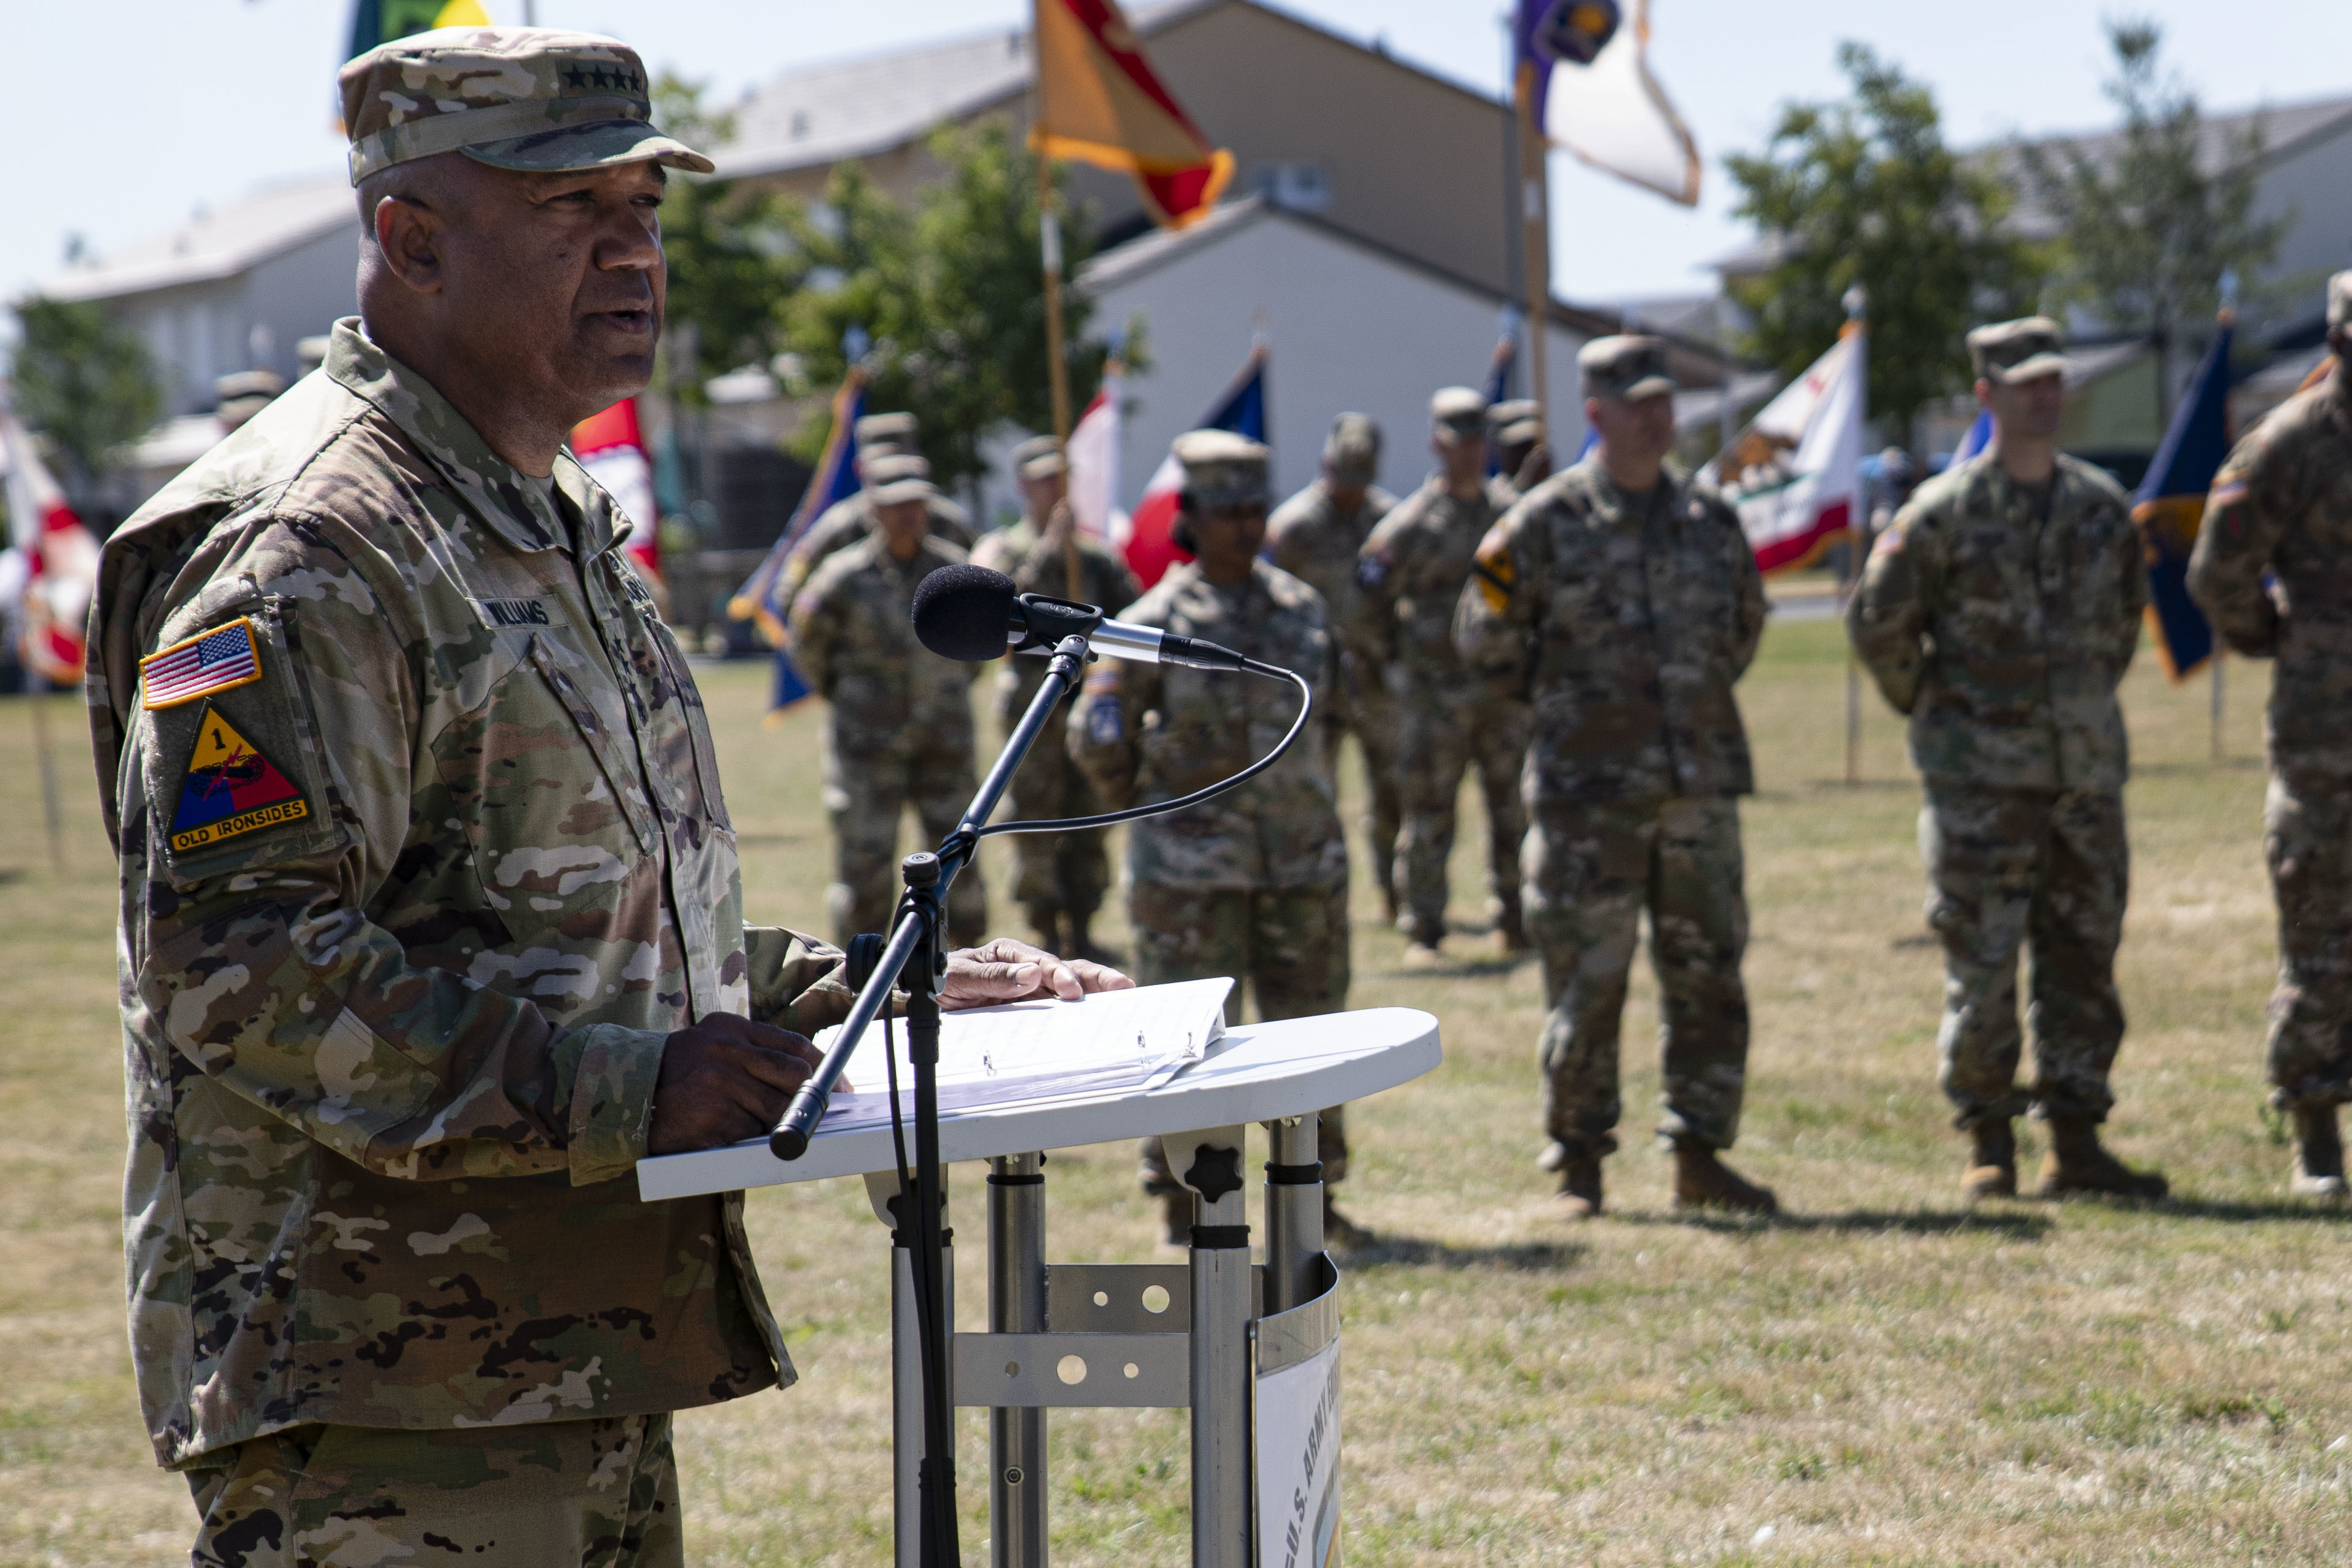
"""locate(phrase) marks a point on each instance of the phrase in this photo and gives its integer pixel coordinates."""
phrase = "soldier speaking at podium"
(431, 919)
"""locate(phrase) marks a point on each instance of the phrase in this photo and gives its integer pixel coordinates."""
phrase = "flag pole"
(1534, 210)
(1049, 258)
(1857, 315)
(36, 692)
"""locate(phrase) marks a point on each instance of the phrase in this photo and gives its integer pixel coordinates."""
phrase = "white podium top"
(1260, 1072)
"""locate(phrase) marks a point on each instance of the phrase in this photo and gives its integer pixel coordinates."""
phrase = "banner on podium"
(1299, 1463)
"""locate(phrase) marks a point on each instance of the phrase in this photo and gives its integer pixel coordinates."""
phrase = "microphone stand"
(916, 950)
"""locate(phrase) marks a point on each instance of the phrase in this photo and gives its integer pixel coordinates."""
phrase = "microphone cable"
(1162, 807)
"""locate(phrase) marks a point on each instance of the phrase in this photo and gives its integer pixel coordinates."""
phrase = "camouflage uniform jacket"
(2281, 509)
(1020, 553)
(1412, 570)
(406, 917)
(2003, 631)
(1632, 619)
(851, 519)
(1153, 732)
(1308, 538)
(853, 638)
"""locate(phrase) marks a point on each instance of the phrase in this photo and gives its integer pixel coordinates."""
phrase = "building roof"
(213, 244)
(812, 116)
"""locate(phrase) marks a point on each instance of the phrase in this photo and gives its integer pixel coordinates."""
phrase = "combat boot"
(1176, 1218)
(1580, 1183)
(2078, 1163)
(1341, 1234)
(2319, 1153)
(1702, 1181)
(1992, 1161)
(1423, 956)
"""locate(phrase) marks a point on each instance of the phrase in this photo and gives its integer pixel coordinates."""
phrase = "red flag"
(611, 448)
(60, 556)
(1100, 102)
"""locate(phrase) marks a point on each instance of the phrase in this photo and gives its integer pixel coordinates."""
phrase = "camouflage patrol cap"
(1631, 367)
(2024, 349)
(1456, 412)
(1039, 458)
(1520, 433)
(899, 491)
(1500, 416)
(883, 430)
(513, 97)
(888, 467)
(2339, 301)
(1352, 451)
(1222, 470)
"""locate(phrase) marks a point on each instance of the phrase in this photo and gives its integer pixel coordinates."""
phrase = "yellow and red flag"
(1100, 102)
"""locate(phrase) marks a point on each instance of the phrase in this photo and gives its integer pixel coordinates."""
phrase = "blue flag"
(2170, 505)
(1978, 436)
(1242, 408)
(765, 597)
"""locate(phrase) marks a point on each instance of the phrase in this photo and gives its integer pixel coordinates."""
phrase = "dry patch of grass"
(1878, 1377)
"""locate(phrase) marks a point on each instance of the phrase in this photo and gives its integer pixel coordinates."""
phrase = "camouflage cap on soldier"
(2339, 301)
(889, 467)
(514, 97)
(1631, 367)
(1456, 412)
(1511, 411)
(1520, 433)
(1039, 458)
(905, 489)
(1221, 469)
(1352, 451)
(884, 431)
(2022, 350)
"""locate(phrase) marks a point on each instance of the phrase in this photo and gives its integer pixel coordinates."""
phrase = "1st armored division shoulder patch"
(229, 788)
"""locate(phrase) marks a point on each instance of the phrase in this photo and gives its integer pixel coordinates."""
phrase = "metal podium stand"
(1201, 1334)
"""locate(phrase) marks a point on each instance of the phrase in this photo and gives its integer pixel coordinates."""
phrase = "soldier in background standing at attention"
(1058, 878)
(1628, 597)
(1317, 536)
(1452, 716)
(887, 453)
(1253, 884)
(899, 731)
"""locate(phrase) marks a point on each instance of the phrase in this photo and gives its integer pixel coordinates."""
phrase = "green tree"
(950, 295)
(2146, 225)
(86, 382)
(732, 252)
(1864, 191)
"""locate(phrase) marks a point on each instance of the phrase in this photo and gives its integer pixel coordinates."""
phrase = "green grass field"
(1877, 1376)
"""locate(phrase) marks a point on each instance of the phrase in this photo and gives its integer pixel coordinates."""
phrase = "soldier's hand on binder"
(1010, 971)
(725, 1079)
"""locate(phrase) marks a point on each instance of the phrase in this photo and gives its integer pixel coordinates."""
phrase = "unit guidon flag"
(217, 661)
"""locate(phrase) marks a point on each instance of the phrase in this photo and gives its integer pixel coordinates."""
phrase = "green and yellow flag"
(375, 22)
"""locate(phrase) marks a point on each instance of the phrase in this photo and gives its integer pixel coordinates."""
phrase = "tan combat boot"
(2318, 1155)
(1422, 957)
(1579, 1179)
(1702, 1181)
(2077, 1163)
(1992, 1161)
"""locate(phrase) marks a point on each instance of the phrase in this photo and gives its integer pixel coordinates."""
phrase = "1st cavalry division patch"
(230, 788)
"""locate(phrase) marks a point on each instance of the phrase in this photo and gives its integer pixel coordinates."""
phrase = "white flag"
(1795, 474)
(1093, 449)
(1614, 116)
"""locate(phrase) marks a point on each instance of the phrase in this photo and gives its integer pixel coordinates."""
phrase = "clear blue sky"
(127, 116)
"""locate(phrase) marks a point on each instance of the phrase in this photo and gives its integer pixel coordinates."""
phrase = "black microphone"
(969, 614)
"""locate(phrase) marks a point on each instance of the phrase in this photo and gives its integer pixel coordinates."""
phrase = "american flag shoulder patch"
(221, 660)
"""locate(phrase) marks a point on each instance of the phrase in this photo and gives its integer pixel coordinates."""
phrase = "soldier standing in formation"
(1627, 598)
(1999, 611)
(1255, 883)
(2270, 570)
(1317, 536)
(1522, 457)
(901, 723)
(886, 454)
(1452, 716)
(431, 920)
(1057, 878)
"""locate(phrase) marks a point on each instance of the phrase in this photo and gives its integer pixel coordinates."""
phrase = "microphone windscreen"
(965, 612)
